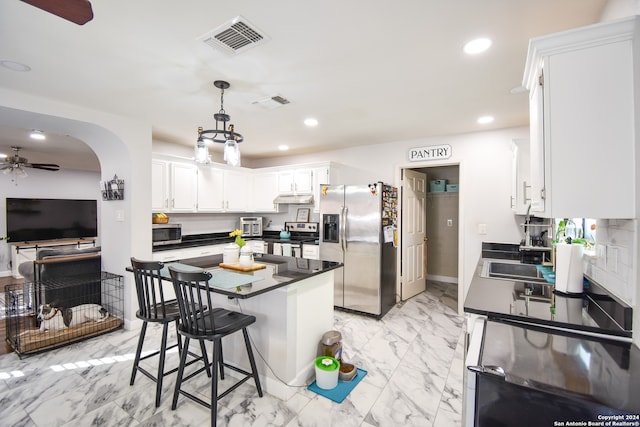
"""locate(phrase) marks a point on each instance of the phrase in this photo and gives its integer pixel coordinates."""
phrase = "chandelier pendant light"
(223, 134)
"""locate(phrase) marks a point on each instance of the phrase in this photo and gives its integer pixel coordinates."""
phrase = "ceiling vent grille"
(234, 36)
(272, 102)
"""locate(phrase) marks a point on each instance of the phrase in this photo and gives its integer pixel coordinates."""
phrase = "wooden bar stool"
(192, 291)
(154, 308)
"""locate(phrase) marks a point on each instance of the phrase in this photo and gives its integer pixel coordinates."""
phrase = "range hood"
(294, 199)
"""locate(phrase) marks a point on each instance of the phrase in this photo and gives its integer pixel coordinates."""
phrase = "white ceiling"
(369, 71)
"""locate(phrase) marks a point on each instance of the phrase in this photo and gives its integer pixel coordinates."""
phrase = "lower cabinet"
(194, 252)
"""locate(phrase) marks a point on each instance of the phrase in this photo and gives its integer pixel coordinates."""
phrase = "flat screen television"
(49, 219)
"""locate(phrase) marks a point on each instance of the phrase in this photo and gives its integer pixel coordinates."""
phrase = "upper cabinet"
(210, 189)
(222, 190)
(265, 190)
(584, 99)
(173, 186)
(520, 181)
(184, 187)
(183, 184)
(159, 185)
(295, 181)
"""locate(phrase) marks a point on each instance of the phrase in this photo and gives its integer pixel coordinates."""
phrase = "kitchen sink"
(512, 271)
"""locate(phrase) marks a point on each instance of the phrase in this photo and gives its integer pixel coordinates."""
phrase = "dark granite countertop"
(506, 300)
(280, 271)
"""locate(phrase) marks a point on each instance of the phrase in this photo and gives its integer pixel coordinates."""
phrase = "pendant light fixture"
(222, 134)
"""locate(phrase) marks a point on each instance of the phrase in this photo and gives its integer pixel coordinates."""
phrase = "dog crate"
(77, 297)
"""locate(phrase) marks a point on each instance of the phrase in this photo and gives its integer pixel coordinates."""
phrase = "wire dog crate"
(82, 307)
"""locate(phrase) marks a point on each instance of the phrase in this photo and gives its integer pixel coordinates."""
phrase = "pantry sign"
(433, 152)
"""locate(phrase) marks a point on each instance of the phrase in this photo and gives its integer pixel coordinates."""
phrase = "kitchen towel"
(569, 270)
(286, 249)
(342, 390)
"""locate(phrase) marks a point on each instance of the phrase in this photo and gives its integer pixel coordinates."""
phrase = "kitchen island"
(292, 300)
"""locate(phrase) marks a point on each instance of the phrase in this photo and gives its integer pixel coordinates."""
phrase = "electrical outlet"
(482, 228)
(449, 223)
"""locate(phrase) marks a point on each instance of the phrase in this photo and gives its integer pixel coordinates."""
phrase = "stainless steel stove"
(301, 233)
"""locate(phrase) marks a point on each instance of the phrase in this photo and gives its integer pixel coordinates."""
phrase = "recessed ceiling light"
(283, 147)
(311, 122)
(14, 66)
(37, 135)
(485, 119)
(477, 46)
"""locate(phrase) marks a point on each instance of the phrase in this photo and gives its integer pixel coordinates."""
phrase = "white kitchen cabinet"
(520, 179)
(295, 181)
(264, 191)
(159, 185)
(210, 189)
(236, 190)
(584, 100)
(166, 256)
(173, 186)
(185, 253)
(222, 190)
(184, 187)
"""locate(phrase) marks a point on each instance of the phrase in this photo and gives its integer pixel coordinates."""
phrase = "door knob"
(425, 239)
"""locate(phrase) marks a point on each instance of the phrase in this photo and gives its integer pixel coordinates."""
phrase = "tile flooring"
(413, 356)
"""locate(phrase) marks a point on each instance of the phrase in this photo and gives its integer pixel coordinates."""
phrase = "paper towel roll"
(569, 269)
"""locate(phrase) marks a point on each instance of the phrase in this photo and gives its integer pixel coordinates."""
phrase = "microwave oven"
(166, 234)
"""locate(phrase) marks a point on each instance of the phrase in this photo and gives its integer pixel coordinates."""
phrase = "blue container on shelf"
(452, 188)
(437, 185)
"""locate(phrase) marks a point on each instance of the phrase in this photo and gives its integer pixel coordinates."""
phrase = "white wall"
(68, 185)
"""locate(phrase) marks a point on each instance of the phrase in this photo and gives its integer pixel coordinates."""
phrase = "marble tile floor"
(414, 359)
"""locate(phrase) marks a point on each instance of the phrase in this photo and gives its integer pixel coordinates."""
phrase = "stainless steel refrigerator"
(357, 228)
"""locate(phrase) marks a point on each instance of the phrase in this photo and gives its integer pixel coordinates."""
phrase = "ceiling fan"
(76, 11)
(16, 164)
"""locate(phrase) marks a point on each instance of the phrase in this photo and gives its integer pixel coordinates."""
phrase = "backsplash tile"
(616, 239)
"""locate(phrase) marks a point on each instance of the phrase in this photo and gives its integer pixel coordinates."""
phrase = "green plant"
(238, 235)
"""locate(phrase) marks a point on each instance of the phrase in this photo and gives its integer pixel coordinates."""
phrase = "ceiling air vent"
(272, 102)
(234, 36)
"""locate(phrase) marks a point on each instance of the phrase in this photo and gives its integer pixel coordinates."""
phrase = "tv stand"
(26, 251)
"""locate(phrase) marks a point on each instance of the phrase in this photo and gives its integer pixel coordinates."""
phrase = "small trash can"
(327, 372)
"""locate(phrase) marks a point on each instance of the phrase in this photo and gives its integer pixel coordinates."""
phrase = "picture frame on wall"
(303, 214)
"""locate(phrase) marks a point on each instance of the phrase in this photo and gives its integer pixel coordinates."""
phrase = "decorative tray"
(238, 267)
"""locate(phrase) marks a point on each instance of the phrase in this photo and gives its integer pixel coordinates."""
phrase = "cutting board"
(238, 267)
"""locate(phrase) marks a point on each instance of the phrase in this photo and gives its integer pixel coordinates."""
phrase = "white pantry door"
(414, 254)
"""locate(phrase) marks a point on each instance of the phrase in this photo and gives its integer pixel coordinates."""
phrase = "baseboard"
(445, 279)
(5, 273)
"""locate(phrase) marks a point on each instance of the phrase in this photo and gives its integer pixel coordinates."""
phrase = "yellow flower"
(238, 235)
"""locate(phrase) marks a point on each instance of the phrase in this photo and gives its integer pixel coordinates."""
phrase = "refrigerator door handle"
(343, 228)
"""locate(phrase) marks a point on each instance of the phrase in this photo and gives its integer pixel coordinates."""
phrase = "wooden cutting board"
(238, 267)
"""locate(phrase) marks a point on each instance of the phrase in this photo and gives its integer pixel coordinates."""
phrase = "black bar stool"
(153, 308)
(192, 291)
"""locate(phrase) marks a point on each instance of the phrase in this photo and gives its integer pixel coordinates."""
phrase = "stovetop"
(301, 232)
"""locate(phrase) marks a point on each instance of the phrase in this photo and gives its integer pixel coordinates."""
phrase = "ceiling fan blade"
(44, 166)
(76, 11)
